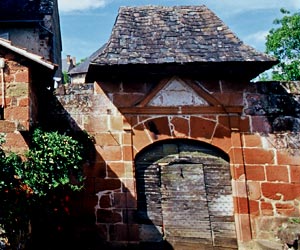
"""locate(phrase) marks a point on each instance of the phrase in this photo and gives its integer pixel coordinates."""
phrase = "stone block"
(22, 76)
(239, 189)
(116, 123)
(254, 190)
(285, 158)
(109, 153)
(255, 172)
(116, 170)
(277, 173)
(258, 156)
(96, 123)
(180, 127)
(295, 173)
(254, 207)
(286, 209)
(124, 232)
(202, 128)
(241, 205)
(109, 216)
(243, 227)
(7, 126)
(280, 191)
(105, 201)
(266, 208)
(252, 140)
(140, 137)
(127, 153)
(107, 139)
(236, 156)
(237, 172)
(124, 200)
(107, 184)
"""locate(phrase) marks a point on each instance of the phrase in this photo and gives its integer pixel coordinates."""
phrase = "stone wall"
(16, 94)
(261, 142)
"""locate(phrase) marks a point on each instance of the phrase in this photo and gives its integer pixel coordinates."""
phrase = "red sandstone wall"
(17, 104)
(266, 173)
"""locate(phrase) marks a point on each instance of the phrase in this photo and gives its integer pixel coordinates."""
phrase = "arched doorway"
(185, 196)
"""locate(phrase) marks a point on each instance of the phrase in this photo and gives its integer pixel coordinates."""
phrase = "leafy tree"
(283, 42)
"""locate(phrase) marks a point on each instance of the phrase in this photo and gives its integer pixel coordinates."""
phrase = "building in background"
(34, 26)
(30, 52)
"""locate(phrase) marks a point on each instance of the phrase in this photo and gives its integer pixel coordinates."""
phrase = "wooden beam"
(182, 110)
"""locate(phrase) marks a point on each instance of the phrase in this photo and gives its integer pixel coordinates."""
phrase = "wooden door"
(184, 206)
(185, 198)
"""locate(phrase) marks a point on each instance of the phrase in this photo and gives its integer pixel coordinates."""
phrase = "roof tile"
(179, 34)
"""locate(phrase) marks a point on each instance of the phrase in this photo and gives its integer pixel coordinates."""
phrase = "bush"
(14, 205)
(53, 164)
(54, 160)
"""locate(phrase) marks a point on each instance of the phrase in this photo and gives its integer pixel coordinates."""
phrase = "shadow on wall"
(103, 213)
(279, 102)
(275, 108)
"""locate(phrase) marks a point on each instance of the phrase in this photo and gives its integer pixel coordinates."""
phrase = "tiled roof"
(84, 66)
(181, 34)
(23, 52)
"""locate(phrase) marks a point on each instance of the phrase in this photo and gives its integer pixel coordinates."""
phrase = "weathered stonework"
(128, 109)
(264, 173)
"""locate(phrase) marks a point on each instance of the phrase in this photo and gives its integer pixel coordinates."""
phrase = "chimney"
(74, 60)
(68, 59)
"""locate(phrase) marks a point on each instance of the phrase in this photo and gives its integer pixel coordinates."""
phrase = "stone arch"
(210, 129)
(184, 195)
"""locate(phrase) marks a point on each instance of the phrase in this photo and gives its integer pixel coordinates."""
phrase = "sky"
(87, 24)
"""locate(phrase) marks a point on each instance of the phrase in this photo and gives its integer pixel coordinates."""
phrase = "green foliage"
(66, 77)
(295, 220)
(54, 160)
(81, 61)
(283, 42)
(14, 205)
(53, 165)
(2, 139)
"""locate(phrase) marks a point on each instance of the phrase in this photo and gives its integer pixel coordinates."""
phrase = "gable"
(179, 96)
(177, 93)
